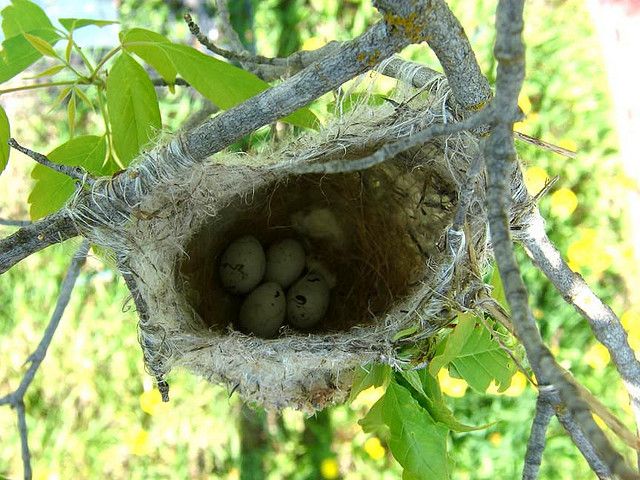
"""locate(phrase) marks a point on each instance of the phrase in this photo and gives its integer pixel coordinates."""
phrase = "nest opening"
(373, 231)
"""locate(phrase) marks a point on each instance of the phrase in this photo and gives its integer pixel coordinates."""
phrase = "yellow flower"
(368, 397)
(518, 385)
(535, 179)
(313, 43)
(374, 448)
(631, 321)
(524, 103)
(528, 125)
(569, 144)
(563, 202)
(139, 443)
(329, 468)
(452, 387)
(151, 402)
(597, 356)
(495, 438)
(587, 251)
(234, 474)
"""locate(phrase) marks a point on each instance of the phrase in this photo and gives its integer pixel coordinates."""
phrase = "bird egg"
(307, 300)
(242, 265)
(263, 311)
(285, 262)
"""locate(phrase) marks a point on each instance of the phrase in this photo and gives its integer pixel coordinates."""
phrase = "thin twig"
(603, 321)
(143, 313)
(23, 429)
(226, 26)
(7, 222)
(390, 150)
(468, 188)
(77, 173)
(240, 55)
(16, 398)
(580, 440)
(537, 439)
(54, 228)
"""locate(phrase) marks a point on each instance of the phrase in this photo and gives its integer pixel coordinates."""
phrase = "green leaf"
(71, 24)
(68, 49)
(152, 48)
(373, 375)
(60, 98)
(5, 134)
(481, 360)
(498, 289)
(416, 440)
(132, 103)
(53, 189)
(224, 84)
(23, 16)
(41, 45)
(454, 343)
(49, 72)
(426, 391)
(373, 422)
(81, 95)
(18, 54)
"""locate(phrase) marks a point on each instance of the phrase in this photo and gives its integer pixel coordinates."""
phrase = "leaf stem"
(41, 85)
(104, 60)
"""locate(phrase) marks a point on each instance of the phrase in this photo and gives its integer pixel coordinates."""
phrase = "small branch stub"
(76, 173)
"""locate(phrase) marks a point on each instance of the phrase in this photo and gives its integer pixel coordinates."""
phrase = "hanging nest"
(382, 233)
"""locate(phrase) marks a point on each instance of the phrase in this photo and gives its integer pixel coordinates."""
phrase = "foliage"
(119, 427)
(131, 112)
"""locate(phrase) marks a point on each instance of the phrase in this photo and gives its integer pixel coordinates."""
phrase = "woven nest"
(382, 232)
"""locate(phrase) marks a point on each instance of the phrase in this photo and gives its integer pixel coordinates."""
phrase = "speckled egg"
(307, 301)
(285, 262)
(263, 311)
(242, 265)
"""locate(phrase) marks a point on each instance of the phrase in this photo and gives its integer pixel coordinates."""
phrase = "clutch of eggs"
(244, 267)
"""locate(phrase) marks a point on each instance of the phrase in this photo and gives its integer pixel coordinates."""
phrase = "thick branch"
(500, 158)
(32, 238)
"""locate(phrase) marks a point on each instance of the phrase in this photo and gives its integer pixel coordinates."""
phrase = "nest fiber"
(383, 234)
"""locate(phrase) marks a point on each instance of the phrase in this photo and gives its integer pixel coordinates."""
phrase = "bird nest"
(383, 234)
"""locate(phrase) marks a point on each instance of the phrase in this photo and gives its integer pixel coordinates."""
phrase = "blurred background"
(94, 413)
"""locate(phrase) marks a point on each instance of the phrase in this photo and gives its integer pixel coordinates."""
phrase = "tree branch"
(604, 323)
(537, 439)
(16, 398)
(54, 228)
(77, 173)
(390, 150)
(7, 222)
(500, 159)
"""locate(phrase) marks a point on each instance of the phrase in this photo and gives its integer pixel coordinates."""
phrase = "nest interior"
(373, 231)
